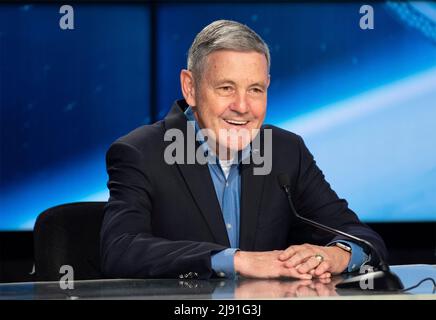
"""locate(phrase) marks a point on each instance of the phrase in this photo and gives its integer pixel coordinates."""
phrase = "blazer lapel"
(197, 178)
(251, 195)
(199, 181)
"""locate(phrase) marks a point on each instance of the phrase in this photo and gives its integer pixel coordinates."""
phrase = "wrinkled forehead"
(236, 66)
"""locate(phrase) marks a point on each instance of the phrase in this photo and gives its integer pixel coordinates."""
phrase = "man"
(186, 219)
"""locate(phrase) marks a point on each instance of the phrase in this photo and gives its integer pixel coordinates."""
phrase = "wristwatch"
(343, 246)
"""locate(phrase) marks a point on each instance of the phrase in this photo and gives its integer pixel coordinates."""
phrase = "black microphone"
(381, 279)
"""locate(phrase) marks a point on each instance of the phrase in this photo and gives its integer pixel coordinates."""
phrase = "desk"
(410, 275)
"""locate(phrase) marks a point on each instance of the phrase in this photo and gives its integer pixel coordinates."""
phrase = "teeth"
(236, 122)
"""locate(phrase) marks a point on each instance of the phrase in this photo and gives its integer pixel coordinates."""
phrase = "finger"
(310, 264)
(289, 252)
(299, 257)
(325, 275)
(323, 267)
(325, 280)
(293, 273)
(292, 250)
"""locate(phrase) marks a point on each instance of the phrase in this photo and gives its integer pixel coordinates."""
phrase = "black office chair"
(69, 234)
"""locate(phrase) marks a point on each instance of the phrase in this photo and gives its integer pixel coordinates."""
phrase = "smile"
(236, 122)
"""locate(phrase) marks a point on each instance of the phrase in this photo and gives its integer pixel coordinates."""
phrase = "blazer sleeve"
(128, 247)
(315, 199)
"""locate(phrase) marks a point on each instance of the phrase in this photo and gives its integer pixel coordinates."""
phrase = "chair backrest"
(69, 234)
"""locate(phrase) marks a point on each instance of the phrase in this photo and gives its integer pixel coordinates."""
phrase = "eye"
(256, 90)
(225, 90)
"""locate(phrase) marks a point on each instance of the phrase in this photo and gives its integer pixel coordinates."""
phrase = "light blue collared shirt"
(228, 191)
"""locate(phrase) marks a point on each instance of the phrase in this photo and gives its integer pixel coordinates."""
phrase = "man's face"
(232, 94)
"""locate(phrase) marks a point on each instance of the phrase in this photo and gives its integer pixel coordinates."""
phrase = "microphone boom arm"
(382, 265)
(382, 279)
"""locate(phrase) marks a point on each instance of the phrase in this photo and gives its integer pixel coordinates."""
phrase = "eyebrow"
(228, 81)
(259, 84)
(223, 81)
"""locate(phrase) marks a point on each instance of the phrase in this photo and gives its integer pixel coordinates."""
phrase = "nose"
(240, 104)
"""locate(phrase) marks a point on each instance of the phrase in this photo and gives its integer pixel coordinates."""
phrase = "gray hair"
(224, 35)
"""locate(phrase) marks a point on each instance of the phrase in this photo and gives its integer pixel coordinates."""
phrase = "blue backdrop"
(65, 96)
(363, 100)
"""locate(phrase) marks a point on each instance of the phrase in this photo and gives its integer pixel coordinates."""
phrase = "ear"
(188, 87)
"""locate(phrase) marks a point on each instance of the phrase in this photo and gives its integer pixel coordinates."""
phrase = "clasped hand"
(299, 261)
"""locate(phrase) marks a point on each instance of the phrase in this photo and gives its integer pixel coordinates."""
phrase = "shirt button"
(228, 225)
(227, 184)
(221, 274)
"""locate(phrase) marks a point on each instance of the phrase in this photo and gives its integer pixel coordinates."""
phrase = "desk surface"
(410, 275)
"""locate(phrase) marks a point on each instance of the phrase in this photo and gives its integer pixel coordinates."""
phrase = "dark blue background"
(65, 95)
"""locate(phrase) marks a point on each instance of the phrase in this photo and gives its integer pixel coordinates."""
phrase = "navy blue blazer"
(163, 221)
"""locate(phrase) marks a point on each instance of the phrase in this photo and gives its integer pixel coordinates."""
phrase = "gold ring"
(319, 257)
